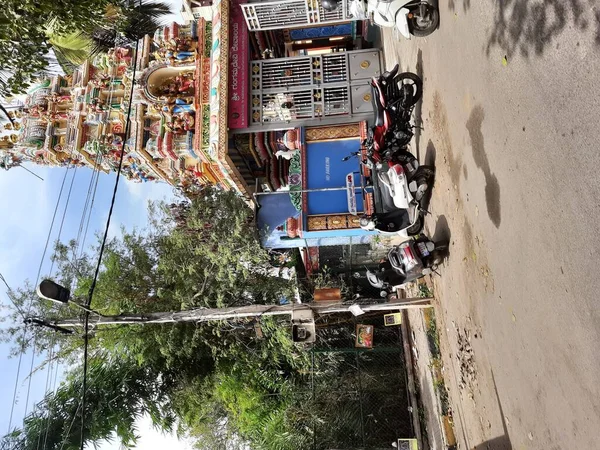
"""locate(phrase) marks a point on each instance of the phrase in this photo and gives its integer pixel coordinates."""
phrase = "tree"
(29, 29)
(118, 392)
(217, 379)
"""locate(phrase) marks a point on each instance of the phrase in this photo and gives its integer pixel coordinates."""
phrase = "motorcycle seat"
(389, 76)
(378, 107)
(393, 221)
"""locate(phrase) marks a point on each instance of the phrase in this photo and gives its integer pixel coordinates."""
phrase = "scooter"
(408, 198)
(413, 17)
(407, 182)
(403, 222)
(407, 262)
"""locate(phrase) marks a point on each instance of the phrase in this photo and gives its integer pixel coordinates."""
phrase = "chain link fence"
(359, 396)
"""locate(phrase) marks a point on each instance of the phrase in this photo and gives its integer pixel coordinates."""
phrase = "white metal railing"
(273, 15)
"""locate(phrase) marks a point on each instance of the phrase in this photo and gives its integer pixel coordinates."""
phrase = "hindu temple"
(266, 98)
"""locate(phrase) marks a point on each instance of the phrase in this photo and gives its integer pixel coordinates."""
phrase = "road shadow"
(430, 154)
(418, 111)
(453, 5)
(429, 161)
(500, 442)
(442, 231)
(492, 187)
(528, 27)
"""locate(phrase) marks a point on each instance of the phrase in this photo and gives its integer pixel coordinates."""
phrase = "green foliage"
(132, 391)
(217, 381)
(29, 29)
(433, 337)
(425, 291)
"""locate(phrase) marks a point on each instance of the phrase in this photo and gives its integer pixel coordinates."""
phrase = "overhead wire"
(87, 225)
(102, 248)
(51, 269)
(37, 280)
(30, 374)
(9, 293)
(62, 222)
(91, 194)
(22, 350)
(47, 390)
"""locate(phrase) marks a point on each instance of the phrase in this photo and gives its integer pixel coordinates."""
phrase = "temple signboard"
(238, 68)
(218, 81)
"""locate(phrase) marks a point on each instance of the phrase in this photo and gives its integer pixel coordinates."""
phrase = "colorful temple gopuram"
(266, 98)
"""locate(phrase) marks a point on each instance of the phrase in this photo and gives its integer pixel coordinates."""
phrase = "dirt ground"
(509, 116)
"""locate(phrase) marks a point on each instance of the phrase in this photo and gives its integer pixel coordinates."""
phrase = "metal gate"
(305, 88)
(292, 13)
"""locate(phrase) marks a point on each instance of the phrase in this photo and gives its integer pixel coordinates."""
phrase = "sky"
(28, 205)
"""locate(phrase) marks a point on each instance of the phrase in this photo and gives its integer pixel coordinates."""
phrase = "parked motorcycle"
(403, 189)
(403, 177)
(410, 17)
(408, 184)
(394, 97)
(407, 262)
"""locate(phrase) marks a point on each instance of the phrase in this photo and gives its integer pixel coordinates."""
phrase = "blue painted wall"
(325, 169)
(345, 29)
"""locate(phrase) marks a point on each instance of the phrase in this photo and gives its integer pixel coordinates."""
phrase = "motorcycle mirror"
(346, 158)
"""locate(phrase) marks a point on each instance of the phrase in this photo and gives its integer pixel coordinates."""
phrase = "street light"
(49, 290)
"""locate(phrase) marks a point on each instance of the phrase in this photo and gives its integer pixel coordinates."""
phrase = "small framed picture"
(392, 319)
(364, 336)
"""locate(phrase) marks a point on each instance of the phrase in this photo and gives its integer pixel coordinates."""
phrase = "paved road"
(517, 146)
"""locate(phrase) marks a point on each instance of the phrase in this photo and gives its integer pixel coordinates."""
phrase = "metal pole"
(208, 314)
(412, 390)
(302, 191)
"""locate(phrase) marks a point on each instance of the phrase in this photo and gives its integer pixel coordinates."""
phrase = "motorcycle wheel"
(439, 254)
(427, 171)
(424, 174)
(415, 229)
(409, 78)
(421, 27)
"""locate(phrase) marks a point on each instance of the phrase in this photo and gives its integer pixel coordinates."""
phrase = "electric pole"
(212, 314)
(304, 312)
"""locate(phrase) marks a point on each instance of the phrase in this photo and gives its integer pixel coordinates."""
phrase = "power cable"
(87, 225)
(88, 199)
(62, 222)
(30, 375)
(48, 383)
(22, 351)
(9, 295)
(102, 247)
(12, 408)
(37, 279)
(70, 427)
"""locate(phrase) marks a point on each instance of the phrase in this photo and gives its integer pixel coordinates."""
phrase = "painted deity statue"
(57, 98)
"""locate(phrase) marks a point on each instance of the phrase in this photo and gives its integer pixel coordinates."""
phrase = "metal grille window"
(334, 68)
(286, 73)
(304, 88)
(273, 15)
(337, 101)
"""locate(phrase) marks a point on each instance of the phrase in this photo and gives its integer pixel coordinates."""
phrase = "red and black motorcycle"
(394, 97)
